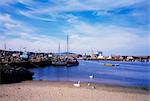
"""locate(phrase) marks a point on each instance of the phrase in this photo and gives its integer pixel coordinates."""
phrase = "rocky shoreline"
(28, 64)
(12, 74)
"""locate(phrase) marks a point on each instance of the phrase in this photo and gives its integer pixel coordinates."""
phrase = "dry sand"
(65, 91)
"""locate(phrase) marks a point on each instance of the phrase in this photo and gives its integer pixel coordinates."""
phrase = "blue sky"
(118, 27)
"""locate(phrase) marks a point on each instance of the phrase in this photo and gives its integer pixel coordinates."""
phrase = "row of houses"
(99, 56)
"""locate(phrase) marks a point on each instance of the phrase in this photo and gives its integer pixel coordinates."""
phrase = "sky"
(119, 27)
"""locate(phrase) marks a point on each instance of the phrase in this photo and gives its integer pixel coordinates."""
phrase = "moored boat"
(72, 63)
(66, 59)
(65, 62)
(58, 63)
(109, 64)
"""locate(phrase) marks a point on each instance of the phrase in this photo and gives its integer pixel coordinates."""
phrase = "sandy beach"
(65, 91)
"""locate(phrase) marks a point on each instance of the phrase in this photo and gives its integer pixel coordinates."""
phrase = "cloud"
(12, 27)
(79, 5)
(59, 7)
(17, 35)
(86, 32)
(107, 37)
(84, 36)
(36, 17)
(51, 11)
(7, 2)
(43, 44)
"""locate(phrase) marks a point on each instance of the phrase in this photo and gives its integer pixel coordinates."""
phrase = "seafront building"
(99, 56)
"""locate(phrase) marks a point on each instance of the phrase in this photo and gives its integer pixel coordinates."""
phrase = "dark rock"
(11, 74)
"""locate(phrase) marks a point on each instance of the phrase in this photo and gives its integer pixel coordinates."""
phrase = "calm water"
(127, 74)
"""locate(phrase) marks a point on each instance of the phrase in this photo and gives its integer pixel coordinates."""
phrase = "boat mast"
(5, 47)
(59, 49)
(67, 44)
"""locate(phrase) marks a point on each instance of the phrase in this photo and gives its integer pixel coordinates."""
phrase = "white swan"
(89, 84)
(77, 84)
(91, 76)
(93, 87)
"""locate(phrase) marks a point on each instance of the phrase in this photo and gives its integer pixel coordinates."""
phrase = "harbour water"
(127, 74)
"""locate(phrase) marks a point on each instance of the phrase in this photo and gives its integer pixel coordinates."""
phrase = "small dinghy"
(109, 64)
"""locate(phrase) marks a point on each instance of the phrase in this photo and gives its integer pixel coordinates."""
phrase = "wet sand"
(65, 91)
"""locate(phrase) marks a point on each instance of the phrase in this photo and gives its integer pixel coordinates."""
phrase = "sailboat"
(70, 60)
(58, 61)
(65, 61)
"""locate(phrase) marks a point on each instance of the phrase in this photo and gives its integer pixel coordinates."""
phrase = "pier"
(16, 58)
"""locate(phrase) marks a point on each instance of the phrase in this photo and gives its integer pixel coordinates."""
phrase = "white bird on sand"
(93, 87)
(77, 84)
(89, 84)
(91, 76)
